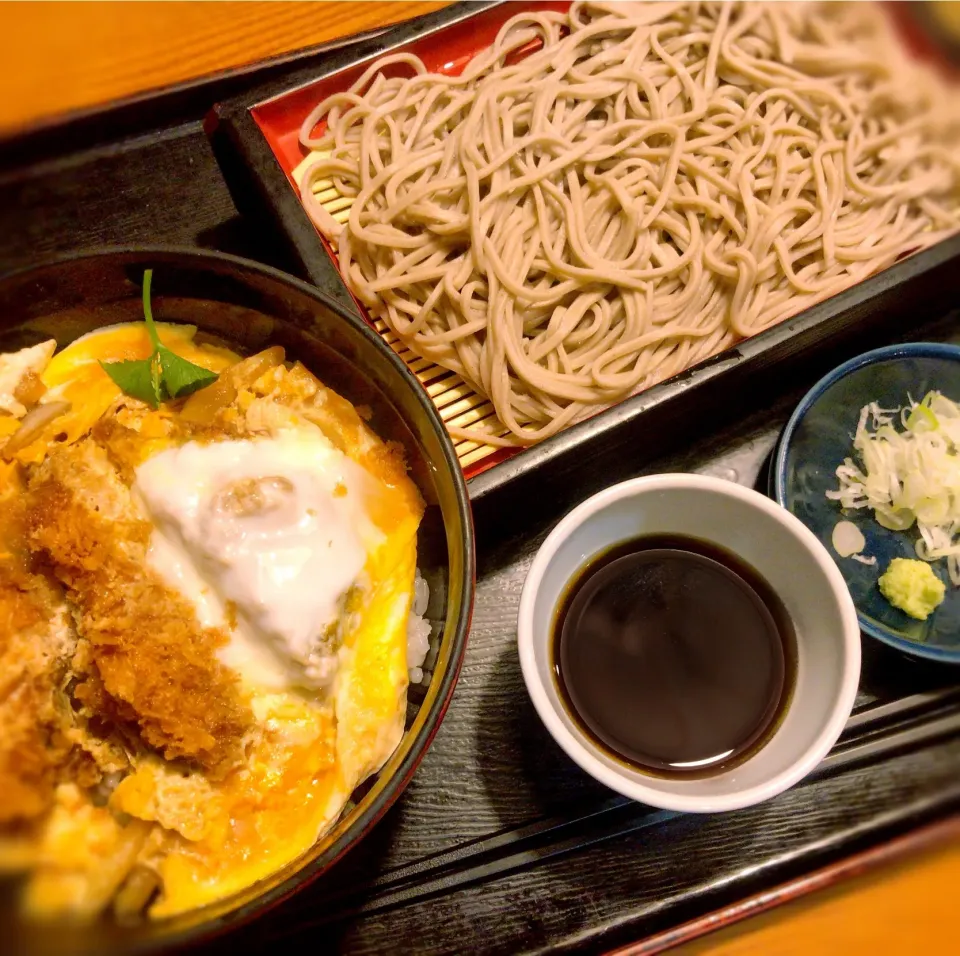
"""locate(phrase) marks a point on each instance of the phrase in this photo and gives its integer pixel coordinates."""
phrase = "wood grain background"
(906, 907)
(63, 56)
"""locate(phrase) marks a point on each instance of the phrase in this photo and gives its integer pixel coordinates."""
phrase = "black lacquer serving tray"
(500, 844)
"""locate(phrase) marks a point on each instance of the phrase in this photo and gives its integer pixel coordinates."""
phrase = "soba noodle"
(653, 183)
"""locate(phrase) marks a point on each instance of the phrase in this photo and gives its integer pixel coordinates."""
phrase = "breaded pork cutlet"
(32, 661)
(35, 645)
(149, 660)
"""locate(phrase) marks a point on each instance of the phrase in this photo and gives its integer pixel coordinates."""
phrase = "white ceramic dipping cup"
(770, 540)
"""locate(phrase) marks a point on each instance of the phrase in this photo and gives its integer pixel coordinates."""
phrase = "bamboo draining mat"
(459, 404)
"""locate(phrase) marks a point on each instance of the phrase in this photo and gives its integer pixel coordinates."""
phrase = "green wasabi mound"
(912, 586)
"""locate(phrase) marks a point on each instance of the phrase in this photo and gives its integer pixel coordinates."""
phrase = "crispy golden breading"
(32, 744)
(152, 662)
(35, 644)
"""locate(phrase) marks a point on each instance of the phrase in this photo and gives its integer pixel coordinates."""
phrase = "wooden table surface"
(65, 56)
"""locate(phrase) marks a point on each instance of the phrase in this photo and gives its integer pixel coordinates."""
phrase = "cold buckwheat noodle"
(653, 183)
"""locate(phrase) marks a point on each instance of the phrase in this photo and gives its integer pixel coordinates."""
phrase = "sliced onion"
(247, 371)
(203, 406)
(907, 475)
(848, 539)
(32, 425)
(30, 389)
(138, 889)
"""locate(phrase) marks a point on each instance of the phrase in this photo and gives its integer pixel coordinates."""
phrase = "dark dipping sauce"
(673, 655)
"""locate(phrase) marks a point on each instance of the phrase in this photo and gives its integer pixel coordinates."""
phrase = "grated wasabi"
(912, 586)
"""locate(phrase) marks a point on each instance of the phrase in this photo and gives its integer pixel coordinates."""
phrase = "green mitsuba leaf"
(180, 377)
(134, 378)
(165, 374)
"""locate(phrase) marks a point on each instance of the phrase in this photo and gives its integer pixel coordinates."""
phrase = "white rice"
(418, 630)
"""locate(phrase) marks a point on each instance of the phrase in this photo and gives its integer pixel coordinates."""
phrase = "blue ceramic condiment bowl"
(819, 436)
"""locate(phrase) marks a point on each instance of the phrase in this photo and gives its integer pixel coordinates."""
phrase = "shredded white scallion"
(911, 475)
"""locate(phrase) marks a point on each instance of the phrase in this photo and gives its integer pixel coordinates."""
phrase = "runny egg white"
(275, 526)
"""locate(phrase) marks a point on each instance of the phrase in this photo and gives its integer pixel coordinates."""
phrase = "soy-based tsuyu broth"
(673, 655)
